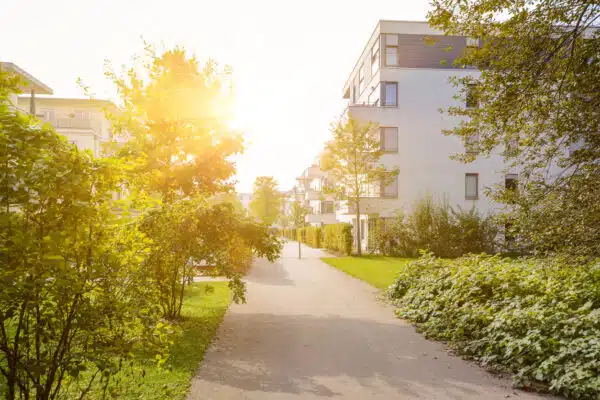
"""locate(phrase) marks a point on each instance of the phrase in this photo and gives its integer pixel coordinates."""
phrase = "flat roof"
(70, 100)
(30, 81)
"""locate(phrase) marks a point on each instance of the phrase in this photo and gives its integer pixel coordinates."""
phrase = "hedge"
(338, 238)
(310, 235)
(538, 319)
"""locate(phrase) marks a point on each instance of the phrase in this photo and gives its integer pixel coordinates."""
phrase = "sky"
(290, 60)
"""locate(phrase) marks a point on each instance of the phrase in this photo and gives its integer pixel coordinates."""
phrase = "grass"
(375, 270)
(203, 311)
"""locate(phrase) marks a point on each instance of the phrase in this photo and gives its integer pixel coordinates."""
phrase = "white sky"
(290, 59)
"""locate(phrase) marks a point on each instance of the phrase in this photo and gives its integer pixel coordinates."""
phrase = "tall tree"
(538, 98)
(174, 115)
(266, 200)
(352, 161)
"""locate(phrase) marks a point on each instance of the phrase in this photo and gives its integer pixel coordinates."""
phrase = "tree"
(538, 97)
(73, 294)
(298, 214)
(352, 162)
(174, 117)
(266, 200)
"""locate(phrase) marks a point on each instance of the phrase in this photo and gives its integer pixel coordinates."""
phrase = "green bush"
(538, 319)
(314, 236)
(439, 228)
(338, 238)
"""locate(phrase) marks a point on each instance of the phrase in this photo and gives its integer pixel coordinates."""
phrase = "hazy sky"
(290, 59)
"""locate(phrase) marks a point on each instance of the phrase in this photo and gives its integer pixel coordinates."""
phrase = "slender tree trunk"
(358, 232)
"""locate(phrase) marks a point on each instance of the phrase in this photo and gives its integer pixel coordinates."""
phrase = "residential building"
(82, 121)
(310, 190)
(401, 81)
(245, 199)
(29, 84)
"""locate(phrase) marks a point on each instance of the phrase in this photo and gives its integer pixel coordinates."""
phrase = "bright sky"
(290, 59)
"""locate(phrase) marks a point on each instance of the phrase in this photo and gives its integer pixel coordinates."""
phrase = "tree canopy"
(266, 200)
(352, 162)
(537, 99)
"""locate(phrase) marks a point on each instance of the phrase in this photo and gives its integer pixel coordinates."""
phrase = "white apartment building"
(82, 121)
(310, 189)
(400, 81)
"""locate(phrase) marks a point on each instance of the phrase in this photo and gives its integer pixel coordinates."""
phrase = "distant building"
(81, 121)
(245, 199)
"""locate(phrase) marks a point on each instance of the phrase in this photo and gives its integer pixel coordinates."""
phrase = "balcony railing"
(70, 123)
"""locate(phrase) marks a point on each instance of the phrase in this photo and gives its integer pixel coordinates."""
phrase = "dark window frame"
(382, 143)
(467, 195)
(383, 98)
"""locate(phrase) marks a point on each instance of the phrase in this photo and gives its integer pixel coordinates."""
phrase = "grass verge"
(375, 270)
(203, 311)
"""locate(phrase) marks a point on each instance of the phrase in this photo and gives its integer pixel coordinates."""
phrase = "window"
(511, 181)
(391, 189)
(327, 207)
(471, 96)
(389, 94)
(389, 139)
(362, 229)
(374, 96)
(471, 144)
(361, 78)
(471, 186)
(375, 57)
(391, 50)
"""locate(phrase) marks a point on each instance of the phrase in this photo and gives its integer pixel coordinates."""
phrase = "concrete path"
(310, 331)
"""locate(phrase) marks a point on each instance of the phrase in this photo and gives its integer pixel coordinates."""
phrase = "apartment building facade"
(401, 81)
(81, 121)
(310, 192)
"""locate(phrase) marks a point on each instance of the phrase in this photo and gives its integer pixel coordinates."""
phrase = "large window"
(375, 57)
(391, 50)
(391, 189)
(389, 94)
(471, 96)
(389, 139)
(471, 186)
(361, 78)
(327, 207)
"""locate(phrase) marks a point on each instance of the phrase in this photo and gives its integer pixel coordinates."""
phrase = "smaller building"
(245, 199)
(81, 120)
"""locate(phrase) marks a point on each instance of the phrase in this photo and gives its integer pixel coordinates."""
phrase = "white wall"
(423, 151)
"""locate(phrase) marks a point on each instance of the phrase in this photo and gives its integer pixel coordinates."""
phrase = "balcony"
(70, 123)
(321, 218)
(312, 194)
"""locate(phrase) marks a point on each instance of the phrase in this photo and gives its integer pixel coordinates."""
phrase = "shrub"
(338, 238)
(439, 228)
(314, 236)
(538, 319)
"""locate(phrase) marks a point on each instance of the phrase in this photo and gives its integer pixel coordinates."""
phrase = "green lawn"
(203, 311)
(378, 271)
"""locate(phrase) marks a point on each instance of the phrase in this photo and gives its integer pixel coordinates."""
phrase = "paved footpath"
(310, 331)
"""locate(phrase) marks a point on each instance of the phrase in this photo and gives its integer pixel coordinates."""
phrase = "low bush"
(338, 238)
(439, 228)
(538, 319)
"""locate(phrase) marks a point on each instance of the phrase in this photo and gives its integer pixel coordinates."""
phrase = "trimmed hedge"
(310, 235)
(538, 319)
(338, 238)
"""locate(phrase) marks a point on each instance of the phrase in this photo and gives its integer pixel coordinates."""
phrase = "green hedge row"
(338, 238)
(538, 319)
(310, 235)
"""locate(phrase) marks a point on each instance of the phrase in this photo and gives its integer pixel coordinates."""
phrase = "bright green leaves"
(266, 200)
(536, 318)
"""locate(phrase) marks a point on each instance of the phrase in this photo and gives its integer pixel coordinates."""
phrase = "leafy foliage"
(338, 238)
(537, 97)
(351, 161)
(536, 318)
(266, 200)
(73, 293)
(439, 228)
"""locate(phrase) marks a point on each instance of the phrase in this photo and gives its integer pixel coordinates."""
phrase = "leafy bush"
(314, 236)
(439, 228)
(536, 318)
(338, 238)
